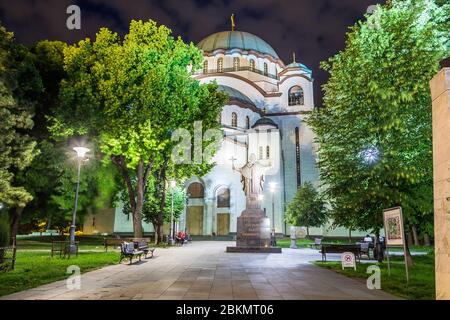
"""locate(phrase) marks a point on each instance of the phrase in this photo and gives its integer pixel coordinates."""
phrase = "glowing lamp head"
(81, 151)
(272, 186)
(173, 183)
(261, 197)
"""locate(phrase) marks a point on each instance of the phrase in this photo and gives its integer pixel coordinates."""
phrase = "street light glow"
(173, 183)
(81, 151)
(261, 197)
(370, 155)
(272, 186)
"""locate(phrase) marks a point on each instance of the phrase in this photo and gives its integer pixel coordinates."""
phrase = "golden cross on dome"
(233, 25)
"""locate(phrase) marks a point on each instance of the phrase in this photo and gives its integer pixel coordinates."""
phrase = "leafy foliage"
(20, 84)
(129, 95)
(307, 208)
(377, 98)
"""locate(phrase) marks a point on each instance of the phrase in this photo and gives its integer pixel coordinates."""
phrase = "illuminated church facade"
(269, 103)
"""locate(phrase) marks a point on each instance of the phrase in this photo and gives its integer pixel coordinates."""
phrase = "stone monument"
(293, 237)
(253, 227)
(440, 94)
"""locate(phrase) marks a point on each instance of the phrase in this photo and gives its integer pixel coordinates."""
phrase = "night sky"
(314, 29)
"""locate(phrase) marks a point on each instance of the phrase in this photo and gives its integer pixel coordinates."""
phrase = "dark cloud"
(314, 29)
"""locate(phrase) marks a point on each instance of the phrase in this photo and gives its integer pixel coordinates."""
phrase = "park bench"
(340, 248)
(317, 243)
(114, 242)
(127, 250)
(63, 247)
(7, 258)
(141, 244)
(365, 249)
(180, 241)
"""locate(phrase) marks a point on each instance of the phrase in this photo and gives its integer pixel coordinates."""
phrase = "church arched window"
(196, 190)
(205, 66)
(252, 65)
(236, 63)
(267, 152)
(247, 122)
(223, 198)
(296, 96)
(266, 69)
(220, 65)
(234, 119)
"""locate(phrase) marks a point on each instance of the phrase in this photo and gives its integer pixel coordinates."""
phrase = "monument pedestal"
(253, 233)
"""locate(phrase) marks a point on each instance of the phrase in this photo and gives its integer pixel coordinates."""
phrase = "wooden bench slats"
(340, 248)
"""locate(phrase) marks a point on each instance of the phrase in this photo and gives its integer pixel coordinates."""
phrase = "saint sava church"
(264, 119)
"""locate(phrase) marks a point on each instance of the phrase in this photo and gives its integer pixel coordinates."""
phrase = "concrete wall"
(440, 85)
(100, 222)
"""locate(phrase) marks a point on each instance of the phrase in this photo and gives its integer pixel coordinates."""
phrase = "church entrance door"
(223, 224)
(194, 221)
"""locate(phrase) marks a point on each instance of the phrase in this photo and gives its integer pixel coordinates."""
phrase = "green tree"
(43, 175)
(152, 204)
(128, 96)
(307, 208)
(51, 176)
(20, 85)
(374, 130)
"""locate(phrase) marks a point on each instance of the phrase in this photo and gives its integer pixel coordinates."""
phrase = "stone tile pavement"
(203, 270)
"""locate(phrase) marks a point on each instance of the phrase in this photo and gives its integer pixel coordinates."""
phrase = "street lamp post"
(272, 190)
(171, 235)
(81, 153)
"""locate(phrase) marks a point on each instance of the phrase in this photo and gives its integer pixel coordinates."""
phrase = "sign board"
(393, 227)
(300, 232)
(348, 260)
(395, 233)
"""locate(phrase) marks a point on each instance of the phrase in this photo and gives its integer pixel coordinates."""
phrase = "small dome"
(299, 65)
(235, 94)
(264, 121)
(228, 40)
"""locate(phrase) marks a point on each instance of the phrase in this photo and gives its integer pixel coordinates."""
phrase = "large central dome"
(228, 40)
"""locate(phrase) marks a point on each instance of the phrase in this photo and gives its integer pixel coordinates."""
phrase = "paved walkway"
(202, 270)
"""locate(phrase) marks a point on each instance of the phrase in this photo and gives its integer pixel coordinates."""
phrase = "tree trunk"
(307, 232)
(350, 235)
(415, 236)
(409, 260)
(15, 221)
(162, 205)
(160, 233)
(49, 221)
(426, 239)
(136, 195)
(409, 238)
(137, 214)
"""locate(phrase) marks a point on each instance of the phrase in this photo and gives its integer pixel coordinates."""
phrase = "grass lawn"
(421, 284)
(86, 243)
(286, 243)
(33, 269)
